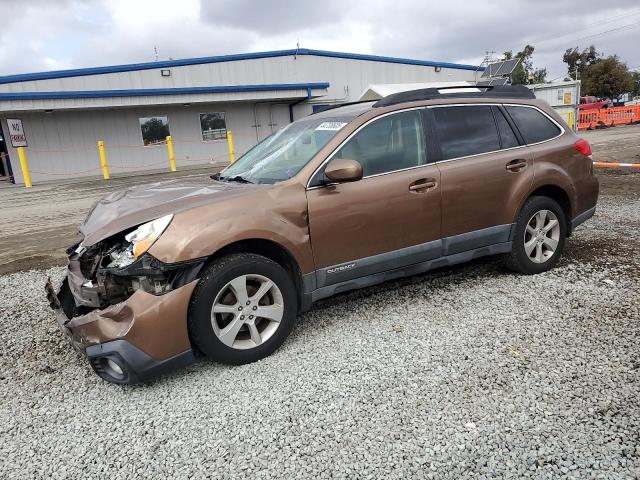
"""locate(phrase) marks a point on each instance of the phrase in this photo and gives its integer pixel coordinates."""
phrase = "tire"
(234, 332)
(535, 227)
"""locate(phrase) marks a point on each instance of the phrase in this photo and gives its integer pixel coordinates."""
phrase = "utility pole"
(486, 61)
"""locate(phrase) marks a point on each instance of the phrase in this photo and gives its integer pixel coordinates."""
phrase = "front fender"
(278, 214)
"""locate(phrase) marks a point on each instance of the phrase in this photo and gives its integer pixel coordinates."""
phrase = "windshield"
(283, 154)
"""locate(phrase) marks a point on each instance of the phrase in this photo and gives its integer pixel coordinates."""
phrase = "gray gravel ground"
(466, 372)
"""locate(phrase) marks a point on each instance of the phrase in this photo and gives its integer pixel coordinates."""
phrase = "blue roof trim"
(379, 58)
(142, 92)
(79, 72)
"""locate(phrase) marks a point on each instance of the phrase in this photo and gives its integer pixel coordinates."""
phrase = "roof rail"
(338, 105)
(475, 91)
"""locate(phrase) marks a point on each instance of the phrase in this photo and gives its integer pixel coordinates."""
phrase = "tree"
(524, 73)
(539, 75)
(154, 130)
(607, 78)
(636, 83)
(577, 61)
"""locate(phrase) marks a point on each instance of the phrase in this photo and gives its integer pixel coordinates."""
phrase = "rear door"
(388, 219)
(485, 174)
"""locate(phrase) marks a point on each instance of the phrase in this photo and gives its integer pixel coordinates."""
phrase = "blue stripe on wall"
(163, 91)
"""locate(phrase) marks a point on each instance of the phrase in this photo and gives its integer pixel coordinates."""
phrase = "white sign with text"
(16, 133)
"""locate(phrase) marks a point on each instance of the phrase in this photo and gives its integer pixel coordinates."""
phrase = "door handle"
(422, 185)
(516, 165)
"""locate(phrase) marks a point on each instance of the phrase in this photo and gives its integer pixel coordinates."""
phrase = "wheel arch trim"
(275, 251)
(557, 192)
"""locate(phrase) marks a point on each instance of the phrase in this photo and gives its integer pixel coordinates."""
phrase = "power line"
(591, 25)
(627, 14)
(630, 25)
(611, 19)
(537, 42)
(609, 31)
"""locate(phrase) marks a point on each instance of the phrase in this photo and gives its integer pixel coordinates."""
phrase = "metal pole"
(232, 152)
(25, 167)
(103, 160)
(172, 157)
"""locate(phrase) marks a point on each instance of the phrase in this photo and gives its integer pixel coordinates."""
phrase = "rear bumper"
(132, 341)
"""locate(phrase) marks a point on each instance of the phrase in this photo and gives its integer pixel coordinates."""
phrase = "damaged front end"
(97, 277)
(125, 309)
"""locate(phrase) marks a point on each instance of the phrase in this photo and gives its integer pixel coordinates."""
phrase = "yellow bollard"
(25, 167)
(232, 152)
(103, 160)
(570, 122)
(172, 157)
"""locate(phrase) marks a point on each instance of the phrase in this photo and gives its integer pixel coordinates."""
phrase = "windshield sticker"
(333, 126)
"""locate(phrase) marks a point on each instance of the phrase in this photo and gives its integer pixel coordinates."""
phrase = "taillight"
(583, 147)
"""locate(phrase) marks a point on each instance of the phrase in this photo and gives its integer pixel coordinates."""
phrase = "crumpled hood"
(133, 206)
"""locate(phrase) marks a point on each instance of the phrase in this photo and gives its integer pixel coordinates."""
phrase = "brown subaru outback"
(349, 197)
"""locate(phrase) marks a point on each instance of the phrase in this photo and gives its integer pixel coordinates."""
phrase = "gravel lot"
(469, 372)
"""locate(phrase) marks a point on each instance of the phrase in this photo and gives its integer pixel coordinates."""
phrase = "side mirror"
(343, 170)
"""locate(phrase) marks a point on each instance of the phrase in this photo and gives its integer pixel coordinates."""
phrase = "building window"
(213, 126)
(155, 130)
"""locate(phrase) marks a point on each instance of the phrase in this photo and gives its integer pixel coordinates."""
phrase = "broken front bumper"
(131, 341)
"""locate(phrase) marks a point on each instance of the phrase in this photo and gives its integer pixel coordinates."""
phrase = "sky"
(41, 35)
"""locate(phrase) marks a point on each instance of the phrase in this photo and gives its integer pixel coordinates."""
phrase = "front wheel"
(242, 309)
(539, 237)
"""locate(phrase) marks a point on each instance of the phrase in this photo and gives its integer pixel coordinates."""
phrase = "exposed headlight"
(139, 241)
(146, 234)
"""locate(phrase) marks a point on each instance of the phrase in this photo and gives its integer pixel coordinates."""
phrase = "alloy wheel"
(542, 235)
(247, 311)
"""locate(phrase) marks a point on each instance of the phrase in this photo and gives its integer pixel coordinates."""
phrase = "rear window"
(533, 125)
(466, 130)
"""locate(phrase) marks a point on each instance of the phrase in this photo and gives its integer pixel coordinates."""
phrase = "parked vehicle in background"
(592, 103)
(339, 200)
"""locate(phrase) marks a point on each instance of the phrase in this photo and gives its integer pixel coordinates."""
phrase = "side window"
(508, 139)
(466, 130)
(533, 125)
(391, 143)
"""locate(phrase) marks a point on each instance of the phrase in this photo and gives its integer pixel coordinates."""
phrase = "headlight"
(146, 234)
(138, 242)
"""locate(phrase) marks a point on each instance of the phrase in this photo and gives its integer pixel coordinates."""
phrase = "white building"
(563, 96)
(133, 107)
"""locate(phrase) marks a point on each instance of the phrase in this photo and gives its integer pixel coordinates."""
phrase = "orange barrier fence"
(608, 117)
(616, 164)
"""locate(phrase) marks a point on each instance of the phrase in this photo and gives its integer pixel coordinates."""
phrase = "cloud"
(275, 17)
(79, 33)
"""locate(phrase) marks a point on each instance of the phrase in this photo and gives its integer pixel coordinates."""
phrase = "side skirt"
(405, 262)
(410, 270)
(583, 217)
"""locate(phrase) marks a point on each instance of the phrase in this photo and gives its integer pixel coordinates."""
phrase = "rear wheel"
(539, 237)
(242, 309)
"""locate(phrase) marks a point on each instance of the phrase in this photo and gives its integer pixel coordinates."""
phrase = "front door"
(388, 219)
